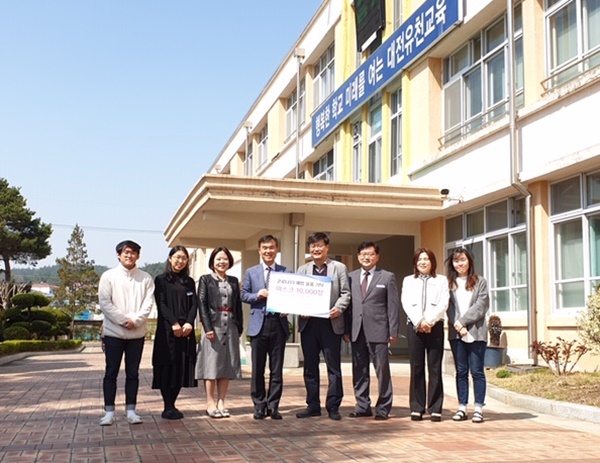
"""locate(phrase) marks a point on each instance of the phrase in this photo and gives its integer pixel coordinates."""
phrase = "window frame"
(470, 99)
(482, 243)
(324, 76)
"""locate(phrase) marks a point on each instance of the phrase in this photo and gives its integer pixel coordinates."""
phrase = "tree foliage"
(78, 288)
(24, 239)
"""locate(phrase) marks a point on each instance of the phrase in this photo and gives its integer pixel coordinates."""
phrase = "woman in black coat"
(174, 355)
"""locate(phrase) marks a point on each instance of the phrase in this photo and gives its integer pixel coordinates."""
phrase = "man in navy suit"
(374, 325)
(268, 331)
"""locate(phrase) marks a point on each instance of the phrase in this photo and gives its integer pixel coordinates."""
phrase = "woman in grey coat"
(467, 329)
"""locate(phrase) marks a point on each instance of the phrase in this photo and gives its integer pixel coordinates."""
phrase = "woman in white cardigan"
(425, 300)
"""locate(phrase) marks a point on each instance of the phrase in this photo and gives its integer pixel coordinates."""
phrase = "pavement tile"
(50, 407)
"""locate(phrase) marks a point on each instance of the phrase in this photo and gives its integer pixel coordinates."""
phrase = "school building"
(437, 123)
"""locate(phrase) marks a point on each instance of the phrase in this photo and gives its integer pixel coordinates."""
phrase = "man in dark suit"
(324, 334)
(374, 321)
(268, 331)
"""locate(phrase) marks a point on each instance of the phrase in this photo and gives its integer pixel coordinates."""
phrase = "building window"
(249, 160)
(323, 168)
(357, 152)
(573, 38)
(576, 230)
(375, 145)
(263, 139)
(290, 110)
(496, 236)
(396, 129)
(475, 91)
(324, 76)
(397, 13)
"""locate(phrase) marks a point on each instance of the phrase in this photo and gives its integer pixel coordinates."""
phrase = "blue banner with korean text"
(425, 27)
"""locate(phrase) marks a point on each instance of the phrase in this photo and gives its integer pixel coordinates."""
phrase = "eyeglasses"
(367, 254)
(180, 258)
(317, 246)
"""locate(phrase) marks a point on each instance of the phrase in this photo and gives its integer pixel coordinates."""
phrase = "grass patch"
(579, 388)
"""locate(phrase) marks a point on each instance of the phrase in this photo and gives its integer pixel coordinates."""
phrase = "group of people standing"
(364, 310)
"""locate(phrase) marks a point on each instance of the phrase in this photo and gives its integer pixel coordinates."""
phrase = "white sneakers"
(109, 418)
(133, 418)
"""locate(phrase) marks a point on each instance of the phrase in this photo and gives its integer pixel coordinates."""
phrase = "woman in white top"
(425, 300)
(467, 330)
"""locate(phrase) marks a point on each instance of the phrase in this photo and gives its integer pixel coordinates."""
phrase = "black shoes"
(259, 414)
(381, 417)
(306, 413)
(275, 415)
(334, 415)
(416, 416)
(360, 414)
(172, 414)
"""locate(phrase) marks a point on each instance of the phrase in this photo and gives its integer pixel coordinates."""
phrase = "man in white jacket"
(126, 296)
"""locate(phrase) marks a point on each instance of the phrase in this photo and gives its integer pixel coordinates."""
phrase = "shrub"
(46, 315)
(12, 315)
(589, 322)
(42, 329)
(14, 347)
(25, 325)
(16, 332)
(503, 373)
(560, 355)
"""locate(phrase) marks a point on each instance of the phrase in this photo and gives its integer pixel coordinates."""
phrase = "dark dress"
(174, 359)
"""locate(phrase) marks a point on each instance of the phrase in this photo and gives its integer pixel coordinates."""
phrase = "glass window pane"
(459, 60)
(520, 72)
(566, 195)
(496, 216)
(477, 251)
(519, 212)
(494, 36)
(454, 230)
(520, 259)
(521, 301)
(496, 79)
(593, 189)
(518, 18)
(499, 262)
(595, 245)
(570, 295)
(563, 35)
(474, 95)
(475, 223)
(592, 16)
(452, 112)
(501, 300)
(569, 250)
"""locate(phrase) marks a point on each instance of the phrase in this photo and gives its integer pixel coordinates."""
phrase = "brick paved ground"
(50, 407)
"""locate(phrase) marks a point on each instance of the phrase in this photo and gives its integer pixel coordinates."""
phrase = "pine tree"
(78, 288)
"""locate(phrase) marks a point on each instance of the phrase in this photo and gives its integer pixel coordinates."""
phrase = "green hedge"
(16, 347)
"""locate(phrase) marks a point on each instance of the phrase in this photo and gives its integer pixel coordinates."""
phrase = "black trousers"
(318, 336)
(422, 347)
(270, 341)
(114, 350)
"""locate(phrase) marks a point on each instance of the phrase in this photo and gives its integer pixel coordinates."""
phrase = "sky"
(111, 110)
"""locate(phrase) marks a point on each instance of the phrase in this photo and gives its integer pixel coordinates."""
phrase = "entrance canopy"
(235, 210)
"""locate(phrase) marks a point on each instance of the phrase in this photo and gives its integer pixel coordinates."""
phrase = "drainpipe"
(515, 165)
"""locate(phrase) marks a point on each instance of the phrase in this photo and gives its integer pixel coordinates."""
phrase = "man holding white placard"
(324, 334)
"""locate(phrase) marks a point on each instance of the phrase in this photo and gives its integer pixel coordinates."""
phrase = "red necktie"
(364, 284)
